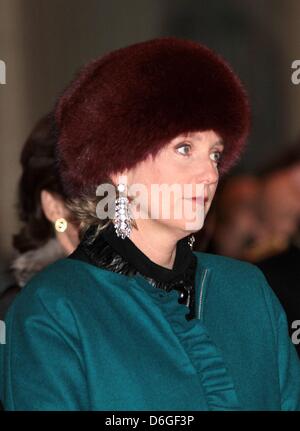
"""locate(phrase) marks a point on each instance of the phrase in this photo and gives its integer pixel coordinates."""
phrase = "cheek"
(157, 173)
(213, 189)
(162, 174)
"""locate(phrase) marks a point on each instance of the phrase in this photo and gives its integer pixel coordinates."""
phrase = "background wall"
(43, 43)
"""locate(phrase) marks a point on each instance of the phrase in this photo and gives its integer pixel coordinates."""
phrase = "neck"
(157, 242)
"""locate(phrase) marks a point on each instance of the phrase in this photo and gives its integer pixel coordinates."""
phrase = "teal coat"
(79, 337)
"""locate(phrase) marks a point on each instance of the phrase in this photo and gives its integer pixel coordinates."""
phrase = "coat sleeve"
(287, 357)
(42, 368)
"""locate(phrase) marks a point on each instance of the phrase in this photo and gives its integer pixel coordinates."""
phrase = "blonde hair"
(83, 210)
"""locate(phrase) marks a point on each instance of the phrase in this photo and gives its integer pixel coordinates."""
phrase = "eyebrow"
(219, 142)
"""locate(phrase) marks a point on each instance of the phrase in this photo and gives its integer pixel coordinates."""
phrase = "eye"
(184, 149)
(219, 156)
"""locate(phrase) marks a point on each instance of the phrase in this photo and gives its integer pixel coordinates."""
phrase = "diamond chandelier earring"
(122, 219)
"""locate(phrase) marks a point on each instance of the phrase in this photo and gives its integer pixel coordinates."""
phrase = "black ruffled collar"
(126, 248)
(119, 255)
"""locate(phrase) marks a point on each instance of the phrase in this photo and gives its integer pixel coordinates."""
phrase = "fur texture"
(129, 103)
(26, 265)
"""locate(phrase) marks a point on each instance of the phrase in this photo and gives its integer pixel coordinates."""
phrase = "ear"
(52, 205)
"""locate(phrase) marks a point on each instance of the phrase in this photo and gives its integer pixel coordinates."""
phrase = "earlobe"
(61, 224)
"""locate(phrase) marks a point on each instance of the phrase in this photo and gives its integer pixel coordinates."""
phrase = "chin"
(188, 227)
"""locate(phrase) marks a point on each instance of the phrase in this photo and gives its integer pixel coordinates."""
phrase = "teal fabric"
(79, 337)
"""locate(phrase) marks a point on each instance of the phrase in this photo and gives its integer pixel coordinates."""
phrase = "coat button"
(182, 297)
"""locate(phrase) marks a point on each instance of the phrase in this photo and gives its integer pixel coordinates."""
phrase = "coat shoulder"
(62, 283)
(234, 267)
(236, 279)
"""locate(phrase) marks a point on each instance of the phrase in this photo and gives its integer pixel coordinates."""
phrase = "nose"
(209, 172)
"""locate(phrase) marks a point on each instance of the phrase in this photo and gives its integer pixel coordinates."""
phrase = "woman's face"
(188, 168)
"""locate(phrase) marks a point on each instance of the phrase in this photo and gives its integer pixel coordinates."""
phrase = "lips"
(200, 199)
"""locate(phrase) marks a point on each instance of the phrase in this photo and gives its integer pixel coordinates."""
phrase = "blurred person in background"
(234, 226)
(257, 216)
(280, 212)
(279, 200)
(49, 232)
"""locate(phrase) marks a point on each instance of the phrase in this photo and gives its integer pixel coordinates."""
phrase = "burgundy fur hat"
(132, 101)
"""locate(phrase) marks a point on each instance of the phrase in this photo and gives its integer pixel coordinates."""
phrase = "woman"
(134, 319)
(49, 231)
